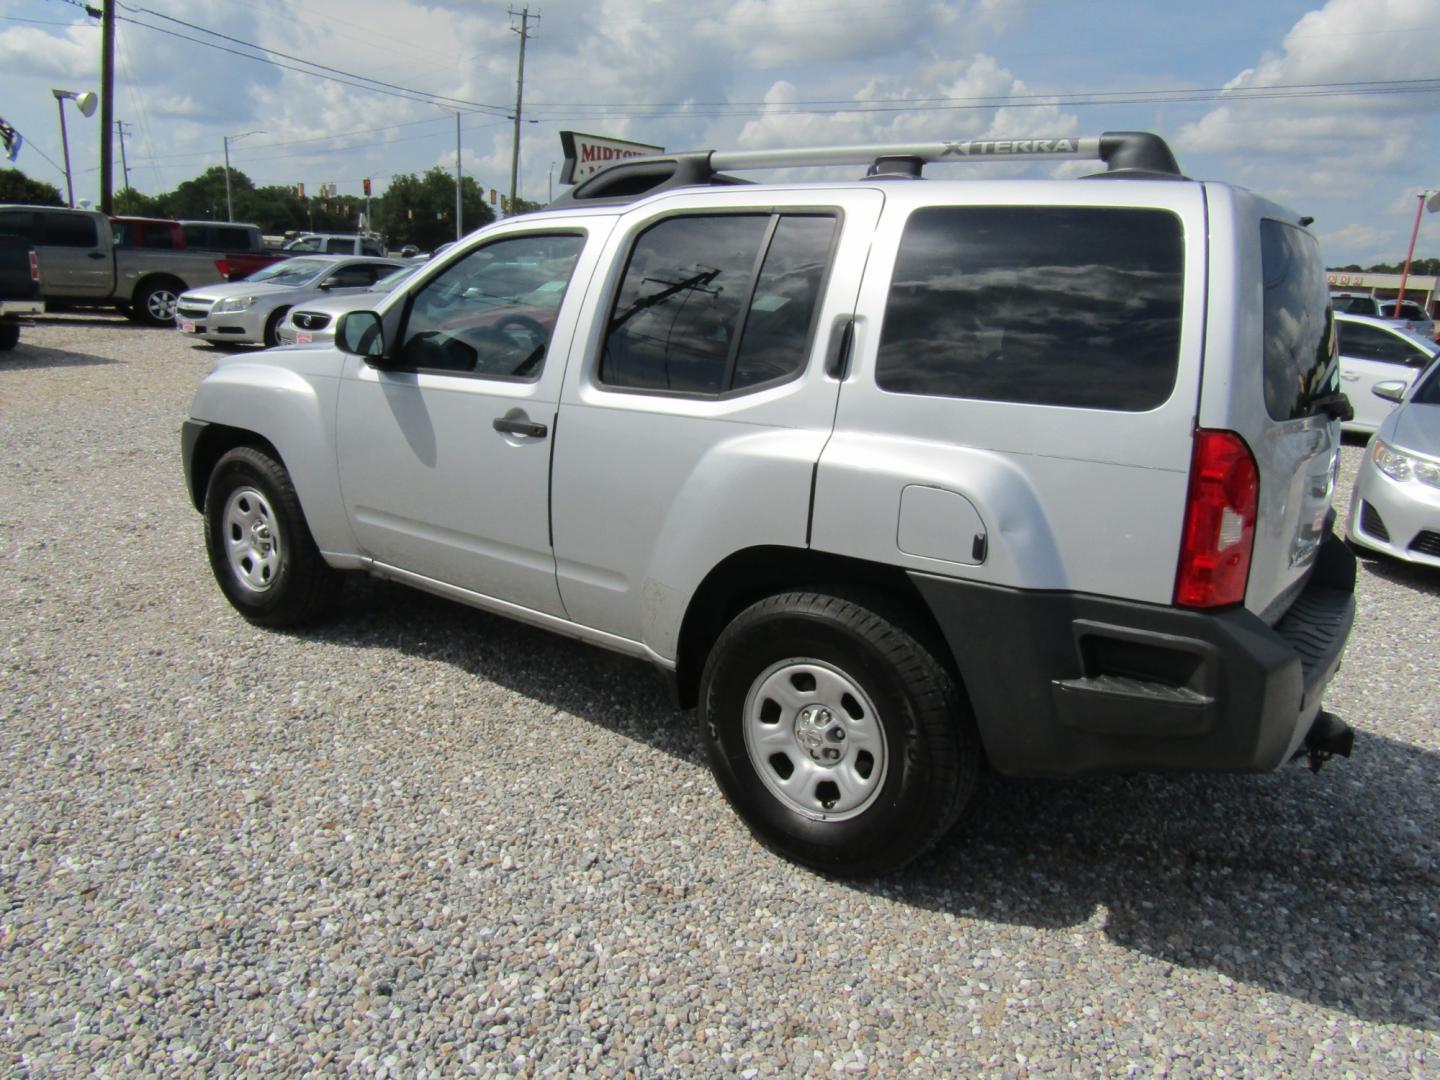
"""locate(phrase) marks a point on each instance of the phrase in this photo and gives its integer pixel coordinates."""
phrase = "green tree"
(420, 210)
(131, 202)
(16, 187)
(203, 198)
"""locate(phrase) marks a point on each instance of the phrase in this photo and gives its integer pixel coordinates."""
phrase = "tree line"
(417, 210)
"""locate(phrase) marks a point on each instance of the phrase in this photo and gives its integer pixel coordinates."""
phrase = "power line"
(300, 59)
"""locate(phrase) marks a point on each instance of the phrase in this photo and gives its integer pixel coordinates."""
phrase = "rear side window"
(70, 230)
(223, 239)
(158, 237)
(1070, 306)
(18, 223)
(1299, 344)
(718, 303)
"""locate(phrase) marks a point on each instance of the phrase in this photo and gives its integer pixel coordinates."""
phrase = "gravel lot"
(421, 841)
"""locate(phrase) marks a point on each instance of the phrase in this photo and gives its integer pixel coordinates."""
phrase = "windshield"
(292, 272)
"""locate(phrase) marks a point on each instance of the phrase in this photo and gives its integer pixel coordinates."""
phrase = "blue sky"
(1332, 108)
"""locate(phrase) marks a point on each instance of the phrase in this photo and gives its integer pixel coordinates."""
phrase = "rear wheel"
(9, 335)
(835, 732)
(260, 547)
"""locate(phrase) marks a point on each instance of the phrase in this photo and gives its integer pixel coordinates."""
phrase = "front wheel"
(9, 335)
(260, 547)
(835, 733)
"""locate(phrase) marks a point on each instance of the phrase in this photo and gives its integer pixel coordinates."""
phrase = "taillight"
(1219, 522)
(223, 265)
(35, 266)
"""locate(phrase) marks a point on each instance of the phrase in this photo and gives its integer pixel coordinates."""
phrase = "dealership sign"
(586, 155)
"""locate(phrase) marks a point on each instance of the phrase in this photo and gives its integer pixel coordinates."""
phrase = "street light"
(228, 139)
(85, 101)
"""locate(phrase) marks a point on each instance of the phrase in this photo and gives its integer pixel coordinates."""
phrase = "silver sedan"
(250, 311)
(1396, 506)
(314, 323)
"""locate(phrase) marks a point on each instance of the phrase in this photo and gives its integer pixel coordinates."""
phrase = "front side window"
(1299, 359)
(718, 303)
(492, 312)
(1070, 306)
(291, 272)
(359, 275)
(1374, 343)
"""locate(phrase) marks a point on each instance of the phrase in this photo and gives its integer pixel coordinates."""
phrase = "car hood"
(1415, 428)
(250, 288)
(338, 305)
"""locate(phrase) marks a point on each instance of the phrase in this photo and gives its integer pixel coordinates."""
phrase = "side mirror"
(360, 333)
(1390, 391)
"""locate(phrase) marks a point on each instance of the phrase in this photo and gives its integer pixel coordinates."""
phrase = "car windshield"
(292, 272)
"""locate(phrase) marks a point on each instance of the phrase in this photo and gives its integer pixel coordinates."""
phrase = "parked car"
(82, 265)
(314, 323)
(1395, 509)
(336, 244)
(1374, 351)
(250, 311)
(888, 479)
(19, 287)
(242, 246)
(1408, 316)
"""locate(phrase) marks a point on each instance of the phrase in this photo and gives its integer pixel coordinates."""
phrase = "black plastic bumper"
(190, 433)
(1064, 683)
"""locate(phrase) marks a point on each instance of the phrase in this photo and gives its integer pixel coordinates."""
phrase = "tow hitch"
(1329, 735)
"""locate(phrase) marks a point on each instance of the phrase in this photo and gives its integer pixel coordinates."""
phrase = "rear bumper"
(1065, 684)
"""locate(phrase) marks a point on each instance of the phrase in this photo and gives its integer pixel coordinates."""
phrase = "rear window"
(1071, 306)
(1299, 348)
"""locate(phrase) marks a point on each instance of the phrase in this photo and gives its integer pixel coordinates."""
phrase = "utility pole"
(524, 31)
(120, 127)
(107, 107)
(459, 222)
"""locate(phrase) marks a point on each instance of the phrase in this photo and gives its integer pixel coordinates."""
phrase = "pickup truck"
(19, 287)
(86, 264)
(241, 246)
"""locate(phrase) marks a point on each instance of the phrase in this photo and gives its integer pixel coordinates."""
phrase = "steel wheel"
(815, 739)
(252, 539)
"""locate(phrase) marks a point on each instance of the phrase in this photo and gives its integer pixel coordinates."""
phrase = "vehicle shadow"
(1424, 579)
(1277, 880)
(27, 357)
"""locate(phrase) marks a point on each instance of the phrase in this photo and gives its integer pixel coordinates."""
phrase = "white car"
(314, 324)
(1396, 506)
(1374, 351)
(1408, 316)
(250, 311)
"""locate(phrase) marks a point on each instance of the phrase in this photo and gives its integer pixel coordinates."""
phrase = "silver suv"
(891, 477)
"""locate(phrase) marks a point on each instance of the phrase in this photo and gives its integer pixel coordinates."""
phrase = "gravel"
(420, 841)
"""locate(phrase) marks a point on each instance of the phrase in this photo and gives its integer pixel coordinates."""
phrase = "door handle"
(520, 425)
(96, 255)
(1348, 377)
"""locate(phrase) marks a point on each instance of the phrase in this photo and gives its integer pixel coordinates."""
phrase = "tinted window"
(219, 238)
(1428, 392)
(340, 246)
(1374, 343)
(1298, 348)
(70, 230)
(157, 237)
(1355, 305)
(492, 312)
(18, 223)
(710, 304)
(1074, 306)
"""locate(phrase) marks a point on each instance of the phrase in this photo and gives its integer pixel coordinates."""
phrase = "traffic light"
(367, 186)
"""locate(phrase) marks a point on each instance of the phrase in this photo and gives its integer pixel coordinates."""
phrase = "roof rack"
(1125, 154)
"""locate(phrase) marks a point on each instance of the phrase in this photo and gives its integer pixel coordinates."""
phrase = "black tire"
(272, 327)
(154, 302)
(261, 550)
(842, 665)
(9, 335)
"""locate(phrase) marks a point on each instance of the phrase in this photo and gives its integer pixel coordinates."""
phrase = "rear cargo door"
(1270, 363)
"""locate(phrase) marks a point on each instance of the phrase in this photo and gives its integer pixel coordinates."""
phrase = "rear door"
(1370, 355)
(690, 427)
(75, 254)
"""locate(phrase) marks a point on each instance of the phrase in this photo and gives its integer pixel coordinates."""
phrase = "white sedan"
(250, 311)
